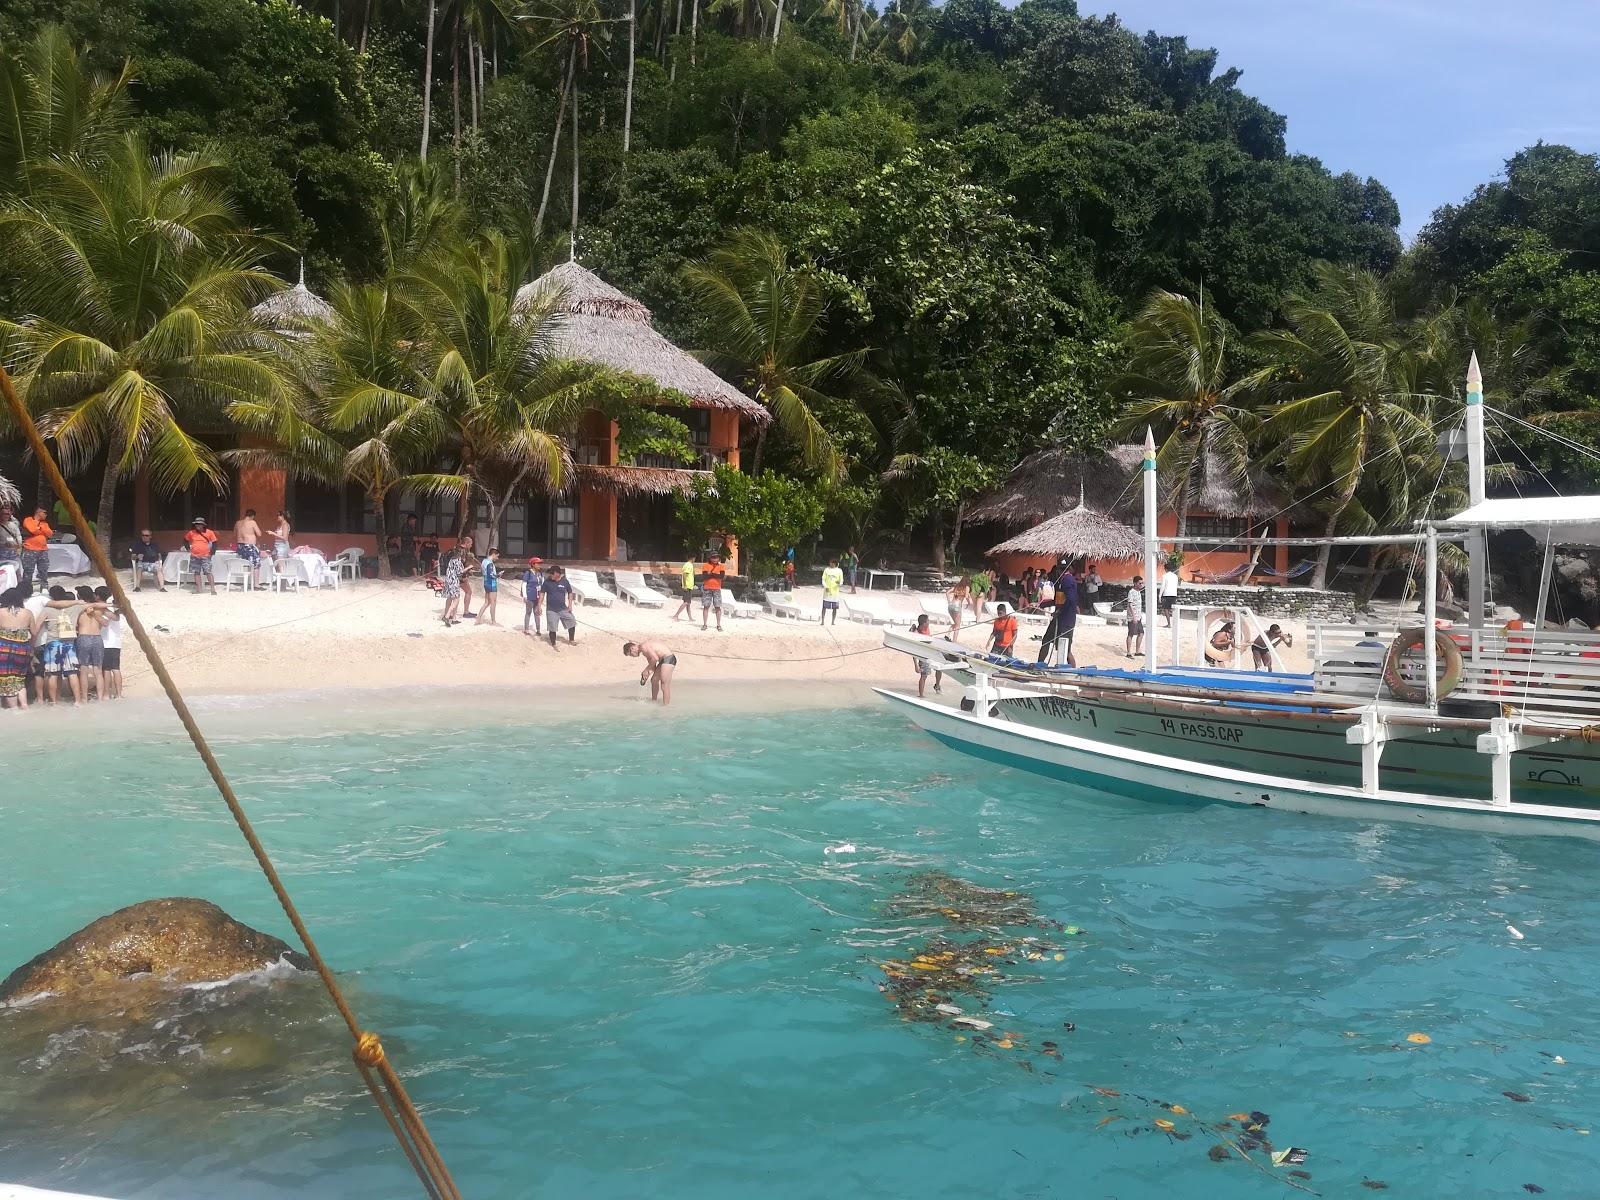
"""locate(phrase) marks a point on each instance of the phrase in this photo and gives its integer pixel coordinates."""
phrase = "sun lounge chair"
(783, 604)
(587, 585)
(740, 608)
(869, 612)
(632, 588)
(1114, 614)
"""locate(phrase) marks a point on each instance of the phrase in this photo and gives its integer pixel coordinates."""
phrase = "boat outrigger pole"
(1477, 543)
(1152, 550)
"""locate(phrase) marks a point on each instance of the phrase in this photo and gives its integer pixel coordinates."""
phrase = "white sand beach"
(388, 635)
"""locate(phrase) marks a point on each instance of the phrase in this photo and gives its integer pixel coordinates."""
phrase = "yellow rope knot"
(369, 1050)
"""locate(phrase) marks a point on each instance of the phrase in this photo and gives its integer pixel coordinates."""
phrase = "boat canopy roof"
(1573, 520)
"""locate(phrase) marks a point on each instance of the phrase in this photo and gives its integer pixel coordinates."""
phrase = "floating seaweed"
(963, 903)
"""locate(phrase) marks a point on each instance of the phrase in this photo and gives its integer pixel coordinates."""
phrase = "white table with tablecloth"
(68, 558)
(8, 575)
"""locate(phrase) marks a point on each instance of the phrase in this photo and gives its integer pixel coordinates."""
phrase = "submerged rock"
(177, 940)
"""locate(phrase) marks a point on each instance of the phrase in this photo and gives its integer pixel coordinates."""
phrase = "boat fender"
(1411, 639)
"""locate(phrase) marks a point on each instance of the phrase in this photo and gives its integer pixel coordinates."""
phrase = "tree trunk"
(555, 144)
(677, 32)
(427, 80)
(366, 25)
(938, 543)
(108, 502)
(46, 495)
(572, 236)
(455, 102)
(855, 37)
(694, 27)
(955, 533)
(380, 524)
(777, 23)
(472, 80)
(761, 447)
(336, 16)
(627, 103)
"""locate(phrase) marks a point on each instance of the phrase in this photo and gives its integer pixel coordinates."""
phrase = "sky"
(1428, 96)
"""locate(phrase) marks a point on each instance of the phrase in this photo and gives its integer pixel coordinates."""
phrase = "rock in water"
(179, 940)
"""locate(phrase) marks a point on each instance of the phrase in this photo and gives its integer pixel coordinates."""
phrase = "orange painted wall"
(725, 434)
(597, 525)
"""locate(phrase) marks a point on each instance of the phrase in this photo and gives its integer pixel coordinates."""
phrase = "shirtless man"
(658, 668)
(246, 534)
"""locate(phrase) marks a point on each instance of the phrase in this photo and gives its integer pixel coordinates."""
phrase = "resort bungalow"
(1052, 482)
(609, 511)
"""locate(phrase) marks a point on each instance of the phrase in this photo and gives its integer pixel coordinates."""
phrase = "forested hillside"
(980, 201)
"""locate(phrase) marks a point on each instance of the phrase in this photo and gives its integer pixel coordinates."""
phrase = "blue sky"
(1429, 96)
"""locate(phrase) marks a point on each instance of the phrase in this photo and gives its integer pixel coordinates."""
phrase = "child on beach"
(532, 594)
(658, 668)
(491, 587)
(924, 667)
(686, 583)
(832, 583)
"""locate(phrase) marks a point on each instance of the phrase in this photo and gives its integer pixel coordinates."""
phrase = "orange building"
(1052, 482)
(609, 511)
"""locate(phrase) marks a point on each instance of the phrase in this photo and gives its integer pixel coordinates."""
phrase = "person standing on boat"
(1169, 590)
(658, 667)
(1133, 606)
(1064, 620)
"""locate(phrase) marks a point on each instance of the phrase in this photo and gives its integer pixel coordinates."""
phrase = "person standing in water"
(658, 667)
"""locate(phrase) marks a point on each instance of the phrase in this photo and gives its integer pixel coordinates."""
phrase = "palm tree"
(503, 402)
(138, 274)
(1178, 383)
(902, 30)
(51, 108)
(765, 314)
(1353, 407)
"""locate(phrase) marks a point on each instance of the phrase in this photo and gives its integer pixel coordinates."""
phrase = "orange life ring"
(1412, 639)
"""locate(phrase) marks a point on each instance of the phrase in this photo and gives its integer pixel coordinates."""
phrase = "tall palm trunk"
(1319, 577)
(107, 506)
(455, 101)
(427, 79)
(677, 32)
(555, 144)
(627, 103)
(855, 38)
(380, 526)
(572, 237)
(366, 25)
(694, 27)
(777, 23)
(472, 79)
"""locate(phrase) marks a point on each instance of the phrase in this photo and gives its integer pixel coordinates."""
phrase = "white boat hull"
(1135, 772)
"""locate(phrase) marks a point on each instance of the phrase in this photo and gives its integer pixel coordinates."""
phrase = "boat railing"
(1208, 618)
(1553, 672)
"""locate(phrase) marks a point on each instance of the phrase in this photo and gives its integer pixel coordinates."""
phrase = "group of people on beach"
(61, 646)
(547, 593)
(148, 561)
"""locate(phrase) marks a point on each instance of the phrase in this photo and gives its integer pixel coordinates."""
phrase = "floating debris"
(1376, 1185)
(961, 902)
(1517, 1097)
(1420, 1039)
(1515, 932)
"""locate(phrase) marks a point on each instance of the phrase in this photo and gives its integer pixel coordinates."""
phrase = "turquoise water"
(615, 961)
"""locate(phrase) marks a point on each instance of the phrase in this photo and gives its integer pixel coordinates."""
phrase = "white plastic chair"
(633, 588)
(241, 572)
(269, 573)
(348, 559)
(292, 575)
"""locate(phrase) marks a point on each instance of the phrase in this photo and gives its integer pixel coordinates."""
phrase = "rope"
(393, 1102)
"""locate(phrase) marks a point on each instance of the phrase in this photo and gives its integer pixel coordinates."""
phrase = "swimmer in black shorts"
(658, 668)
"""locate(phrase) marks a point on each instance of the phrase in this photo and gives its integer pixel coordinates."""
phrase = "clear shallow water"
(615, 962)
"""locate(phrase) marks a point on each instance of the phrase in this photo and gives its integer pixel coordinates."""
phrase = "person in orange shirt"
(711, 576)
(1003, 633)
(202, 543)
(36, 533)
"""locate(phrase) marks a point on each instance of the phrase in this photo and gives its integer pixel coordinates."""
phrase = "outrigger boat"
(1482, 723)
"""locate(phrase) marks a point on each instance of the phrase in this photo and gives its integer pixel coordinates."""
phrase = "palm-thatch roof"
(296, 310)
(1045, 483)
(605, 326)
(634, 481)
(1080, 532)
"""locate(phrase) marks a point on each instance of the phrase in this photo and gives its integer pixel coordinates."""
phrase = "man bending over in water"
(658, 667)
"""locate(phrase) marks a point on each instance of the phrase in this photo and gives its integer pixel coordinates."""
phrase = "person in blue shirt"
(491, 586)
(558, 606)
(1063, 623)
(533, 594)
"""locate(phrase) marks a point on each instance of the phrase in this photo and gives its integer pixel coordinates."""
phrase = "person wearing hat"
(533, 594)
(711, 576)
(202, 543)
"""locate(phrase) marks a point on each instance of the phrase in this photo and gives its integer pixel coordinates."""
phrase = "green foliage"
(643, 431)
(768, 514)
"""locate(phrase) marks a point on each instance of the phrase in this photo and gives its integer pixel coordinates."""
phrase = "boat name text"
(1205, 733)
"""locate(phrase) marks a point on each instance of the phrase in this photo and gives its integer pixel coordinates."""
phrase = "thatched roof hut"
(1079, 532)
(1045, 483)
(628, 482)
(605, 326)
(295, 311)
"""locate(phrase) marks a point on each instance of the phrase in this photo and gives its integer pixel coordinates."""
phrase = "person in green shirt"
(832, 582)
(851, 563)
(686, 589)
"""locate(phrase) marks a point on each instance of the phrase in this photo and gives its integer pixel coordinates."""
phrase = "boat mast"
(1477, 545)
(1152, 550)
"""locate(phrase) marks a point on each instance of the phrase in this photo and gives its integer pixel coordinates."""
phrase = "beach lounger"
(868, 612)
(632, 588)
(741, 608)
(587, 585)
(783, 604)
(1114, 614)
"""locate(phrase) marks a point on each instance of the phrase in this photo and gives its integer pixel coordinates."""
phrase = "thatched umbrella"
(1081, 532)
(296, 311)
(610, 328)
